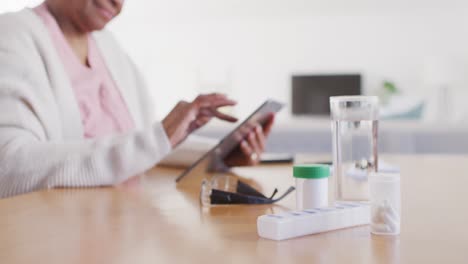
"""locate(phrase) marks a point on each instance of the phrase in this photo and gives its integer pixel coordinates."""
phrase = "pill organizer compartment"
(312, 221)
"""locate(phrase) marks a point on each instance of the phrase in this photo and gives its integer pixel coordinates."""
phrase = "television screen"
(311, 93)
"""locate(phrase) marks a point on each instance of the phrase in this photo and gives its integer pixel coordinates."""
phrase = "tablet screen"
(232, 140)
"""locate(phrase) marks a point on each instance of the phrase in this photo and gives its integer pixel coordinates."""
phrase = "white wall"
(255, 45)
(249, 48)
(15, 5)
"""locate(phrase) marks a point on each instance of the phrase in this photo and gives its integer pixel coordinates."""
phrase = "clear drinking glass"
(355, 155)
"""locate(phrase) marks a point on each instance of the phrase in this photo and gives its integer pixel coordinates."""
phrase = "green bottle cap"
(311, 171)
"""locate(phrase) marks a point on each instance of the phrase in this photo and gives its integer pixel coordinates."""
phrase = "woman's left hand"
(251, 147)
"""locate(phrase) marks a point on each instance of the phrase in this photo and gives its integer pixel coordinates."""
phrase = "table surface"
(150, 219)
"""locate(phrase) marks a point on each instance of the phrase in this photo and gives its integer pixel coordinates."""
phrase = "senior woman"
(73, 107)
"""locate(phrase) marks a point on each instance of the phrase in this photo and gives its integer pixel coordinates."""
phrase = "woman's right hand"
(186, 117)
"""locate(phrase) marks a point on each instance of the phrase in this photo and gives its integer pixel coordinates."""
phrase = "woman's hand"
(186, 117)
(252, 146)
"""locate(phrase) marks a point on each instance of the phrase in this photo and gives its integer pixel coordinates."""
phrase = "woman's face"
(89, 15)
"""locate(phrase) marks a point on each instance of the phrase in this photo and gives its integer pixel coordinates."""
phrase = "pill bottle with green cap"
(311, 185)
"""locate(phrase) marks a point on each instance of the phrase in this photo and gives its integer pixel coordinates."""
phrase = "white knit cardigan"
(41, 134)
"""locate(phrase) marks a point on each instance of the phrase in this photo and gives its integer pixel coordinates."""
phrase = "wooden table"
(151, 220)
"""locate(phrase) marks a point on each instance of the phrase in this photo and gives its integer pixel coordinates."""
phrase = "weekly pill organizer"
(312, 221)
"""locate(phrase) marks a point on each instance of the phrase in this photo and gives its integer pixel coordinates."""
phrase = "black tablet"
(232, 140)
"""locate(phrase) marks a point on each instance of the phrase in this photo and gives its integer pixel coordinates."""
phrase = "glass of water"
(355, 155)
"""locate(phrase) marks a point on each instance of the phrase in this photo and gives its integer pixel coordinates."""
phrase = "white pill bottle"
(385, 203)
(311, 185)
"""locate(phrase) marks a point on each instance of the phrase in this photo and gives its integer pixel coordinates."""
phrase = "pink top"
(103, 110)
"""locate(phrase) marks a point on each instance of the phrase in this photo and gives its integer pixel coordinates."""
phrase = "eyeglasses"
(226, 189)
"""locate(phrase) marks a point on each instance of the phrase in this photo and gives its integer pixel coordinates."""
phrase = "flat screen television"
(311, 93)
